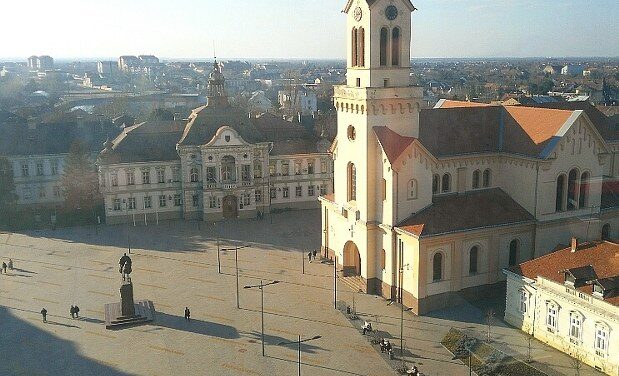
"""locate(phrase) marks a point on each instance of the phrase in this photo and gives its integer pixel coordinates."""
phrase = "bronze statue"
(125, 267)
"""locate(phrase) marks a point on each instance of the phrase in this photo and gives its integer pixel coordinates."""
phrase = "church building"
(430, 205)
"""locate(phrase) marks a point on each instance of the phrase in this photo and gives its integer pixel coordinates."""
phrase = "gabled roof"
(349, 4)
(392, 143)
(448, 103)
(469, 211)
(602, 257)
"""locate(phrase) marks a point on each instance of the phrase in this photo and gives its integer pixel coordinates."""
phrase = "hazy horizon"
(268, 30)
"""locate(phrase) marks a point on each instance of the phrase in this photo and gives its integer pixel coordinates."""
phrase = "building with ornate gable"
(431, 205)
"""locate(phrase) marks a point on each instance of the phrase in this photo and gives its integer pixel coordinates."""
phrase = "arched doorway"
(352, 260)
(230, 206)
(606, 232)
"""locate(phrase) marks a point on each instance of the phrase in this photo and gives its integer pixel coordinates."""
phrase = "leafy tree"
(80, 181)
(7, 188)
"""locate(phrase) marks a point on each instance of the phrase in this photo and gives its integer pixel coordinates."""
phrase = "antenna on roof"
(214, 51)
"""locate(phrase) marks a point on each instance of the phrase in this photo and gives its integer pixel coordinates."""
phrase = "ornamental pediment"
(227, 136)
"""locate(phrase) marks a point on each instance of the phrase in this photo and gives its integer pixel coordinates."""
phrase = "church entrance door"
(352, 260)
(230, 207)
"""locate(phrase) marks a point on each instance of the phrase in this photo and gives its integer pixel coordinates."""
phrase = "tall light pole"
(335, 282)
(218, 259)
(298, 342)
(261, 287)
(127, 210)
(236, 266)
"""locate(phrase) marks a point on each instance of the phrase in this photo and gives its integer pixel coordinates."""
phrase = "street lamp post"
(335, 282)
(261, 287)
(236, 266)
(298, 342)
(127, 210)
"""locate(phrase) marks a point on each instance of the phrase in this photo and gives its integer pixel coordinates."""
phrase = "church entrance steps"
(356, 283)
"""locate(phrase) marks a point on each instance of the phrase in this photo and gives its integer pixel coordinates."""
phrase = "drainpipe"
(394, 257)
(182, 179)
(535, 212)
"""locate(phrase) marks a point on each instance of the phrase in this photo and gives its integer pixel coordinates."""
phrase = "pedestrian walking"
(314, 254)
(10, 264)
(4, 267)
(72, 311)
(187, 313)
(44, 314)
(309, 256)
(77, 311)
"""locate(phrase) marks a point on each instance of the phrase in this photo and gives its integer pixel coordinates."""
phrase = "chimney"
(574, 244)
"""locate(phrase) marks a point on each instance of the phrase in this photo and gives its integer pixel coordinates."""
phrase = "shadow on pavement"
(28, 350)
(275, 340)
(206, 328)
(316, 366)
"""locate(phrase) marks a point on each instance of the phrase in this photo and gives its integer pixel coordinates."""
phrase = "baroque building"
(224, 163)
(431, 205)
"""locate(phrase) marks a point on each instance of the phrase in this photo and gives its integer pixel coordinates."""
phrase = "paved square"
(175, 265)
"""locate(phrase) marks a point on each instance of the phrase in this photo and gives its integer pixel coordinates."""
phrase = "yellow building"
(431, 205)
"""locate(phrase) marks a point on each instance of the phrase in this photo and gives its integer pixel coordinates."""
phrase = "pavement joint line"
(150, 270)
(201, 280)
(100, 293)
(12, 298)
(239, 369)
(46, 300)
(153, 286)
(211, 297)
(162, 305)
(23, 282)
(196, 265)
(166, 350)
(94, 311)
(101, 334)
(304, 360)
(57, 268)
(282, 331)
(49, 283)
(220, 318)
(100, 276)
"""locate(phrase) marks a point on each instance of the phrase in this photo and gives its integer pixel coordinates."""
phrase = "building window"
(39, 169)
(437, 267)
(176, 174)
(514, 252)
(323, 189)
(446, 182)
(572, 188)
(352, 182)
(195, 201)
(194, 175)
(272, 169)
(560, 194)
(246, 172)
(310, 167)
(273, 193)
(412, 189)
(212, 202)
(299, 191)
(473, 258)
(162, 201)
(601, 340)
(258, 195)
(54, 165)
(323, 166)
(24, 169)
(575, 326)
(524, 301)
(361, 47)
(210, 174)
(551, 316)
(257, 170)
(435, 184)
(57, 191)
(148, 202)
(297, 168)
(285, 192)
(384, 36)
(476, 179)
(116, 204)
(353, 45)
(130, 178)
(177, 200)
(383, 259)
(606, 232)
(583, 198)
(131, 203)
(487, 178)
(310, 190)
(160, 176)
(285, 168)
(145, 177)
(351, 133)
(395, 47)
(42, 192)
(246, 199)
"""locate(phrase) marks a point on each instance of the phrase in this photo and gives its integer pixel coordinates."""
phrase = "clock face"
(391, 12)
(358, 14)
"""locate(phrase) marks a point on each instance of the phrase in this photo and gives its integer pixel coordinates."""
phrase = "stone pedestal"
(127, 312)
(127, 306)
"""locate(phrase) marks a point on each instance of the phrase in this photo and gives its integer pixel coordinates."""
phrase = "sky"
(309, 29)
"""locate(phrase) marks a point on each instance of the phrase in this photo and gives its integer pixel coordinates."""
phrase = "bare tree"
(489, 321)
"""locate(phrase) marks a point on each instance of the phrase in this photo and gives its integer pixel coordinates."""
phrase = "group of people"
(385, 346)
(5, 266)
(312, 254)
(75, 312)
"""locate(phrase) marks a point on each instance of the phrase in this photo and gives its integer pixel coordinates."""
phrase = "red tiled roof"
(447, 103)
(602, 256)
(392, 143)
(539, 124)
(330, 197)
(461, 212)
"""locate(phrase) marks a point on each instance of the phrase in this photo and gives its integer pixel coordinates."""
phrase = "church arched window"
(514, 252)
(487, 178)
(476, 179)
(584, 190)
(395, 47)
(572, 189)
(353, 46)
(384, 40)
(446, 183)
(194, 176)
(352, 182)
(437, 267)
(473, 258)
(412, 189)
(435, 183)
(560, 195)
(361, 47)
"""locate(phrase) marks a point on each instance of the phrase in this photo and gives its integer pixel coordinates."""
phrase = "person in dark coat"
(72, 312)
(309, 256)
(314, 254)
(44, 314)
(187, 313)
(4, 267)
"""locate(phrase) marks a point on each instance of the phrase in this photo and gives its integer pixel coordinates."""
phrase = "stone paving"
(175, 265)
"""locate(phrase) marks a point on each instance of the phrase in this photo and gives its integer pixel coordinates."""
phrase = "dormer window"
(578, 277)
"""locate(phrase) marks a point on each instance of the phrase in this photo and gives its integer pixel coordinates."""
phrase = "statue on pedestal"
(125, 267)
